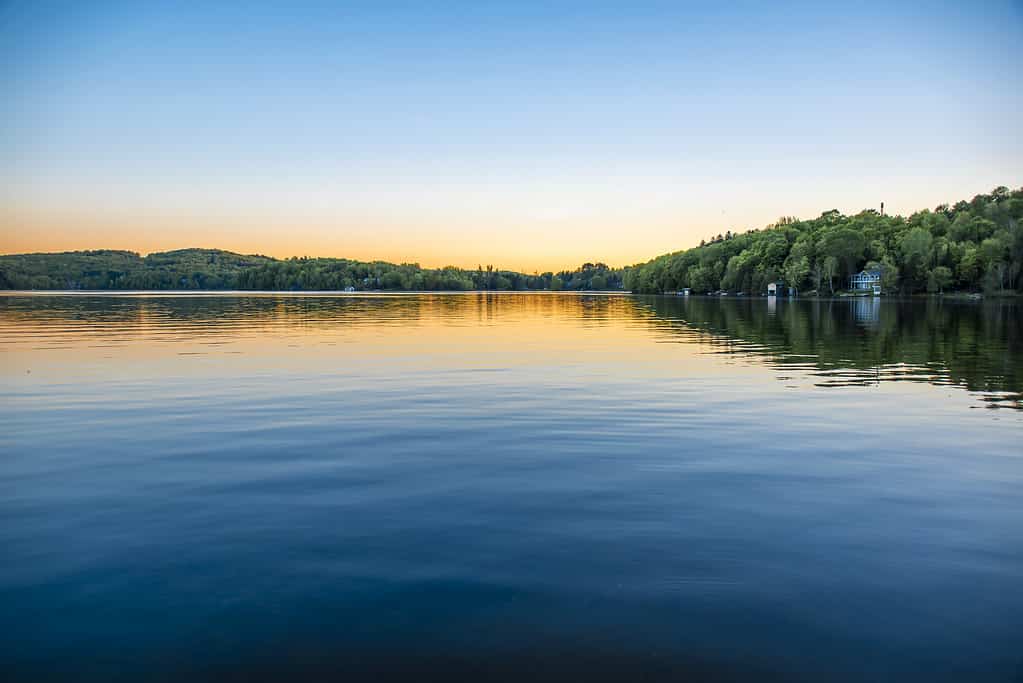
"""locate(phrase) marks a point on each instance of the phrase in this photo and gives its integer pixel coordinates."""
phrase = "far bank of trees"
(193, 269)
(974, 245)
(971, 246)
(339, 274)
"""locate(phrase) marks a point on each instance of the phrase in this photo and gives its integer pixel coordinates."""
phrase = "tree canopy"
(194, 269)
(969, 246)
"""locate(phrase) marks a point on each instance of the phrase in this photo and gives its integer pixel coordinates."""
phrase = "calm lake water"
(509, 486)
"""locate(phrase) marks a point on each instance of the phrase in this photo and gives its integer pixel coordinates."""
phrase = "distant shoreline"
(296, 292)
(956, 250)
(216, 269)
(313, 293)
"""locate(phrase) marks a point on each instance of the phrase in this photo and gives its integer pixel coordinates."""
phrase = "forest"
(970, 246)
(213, 269)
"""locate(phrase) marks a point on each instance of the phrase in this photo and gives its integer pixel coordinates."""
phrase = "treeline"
(970, 246)
(200, 269)
(339, 274)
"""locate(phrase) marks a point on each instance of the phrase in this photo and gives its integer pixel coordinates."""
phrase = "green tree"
(845, 245)
(915, 247)
(830, 271)
(939, 279)
(796, 271)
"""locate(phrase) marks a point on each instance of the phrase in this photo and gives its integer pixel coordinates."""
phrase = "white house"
(866, 279)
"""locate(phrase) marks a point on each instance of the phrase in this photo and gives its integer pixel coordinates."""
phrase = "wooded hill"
(969, 246)
(195, 269)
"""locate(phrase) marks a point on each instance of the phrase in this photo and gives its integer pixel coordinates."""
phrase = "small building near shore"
(779, 288)
(866, 280)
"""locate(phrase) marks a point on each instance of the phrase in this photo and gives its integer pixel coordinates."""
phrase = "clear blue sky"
(528, 134)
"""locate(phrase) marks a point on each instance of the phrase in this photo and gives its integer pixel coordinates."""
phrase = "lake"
(508, 486)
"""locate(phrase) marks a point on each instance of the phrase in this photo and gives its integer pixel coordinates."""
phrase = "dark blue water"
(509, 486)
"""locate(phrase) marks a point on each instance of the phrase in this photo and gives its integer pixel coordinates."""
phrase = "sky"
(529, 135)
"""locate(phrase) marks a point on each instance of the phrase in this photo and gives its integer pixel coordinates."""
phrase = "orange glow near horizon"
(520, 229)
(431, 244)
(532, 137)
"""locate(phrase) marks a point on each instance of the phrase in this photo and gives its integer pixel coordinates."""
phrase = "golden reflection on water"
(800, 344)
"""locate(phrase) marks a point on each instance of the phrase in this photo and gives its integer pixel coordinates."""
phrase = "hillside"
(195, 269)
(969, 246)
(110, 269)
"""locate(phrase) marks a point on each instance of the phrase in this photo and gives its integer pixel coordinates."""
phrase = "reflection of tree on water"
(834, 342)
(866, 340)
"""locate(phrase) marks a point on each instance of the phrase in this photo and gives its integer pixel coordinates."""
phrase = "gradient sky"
(530, 135)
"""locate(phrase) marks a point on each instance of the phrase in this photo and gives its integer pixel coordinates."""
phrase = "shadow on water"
(862, 341)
